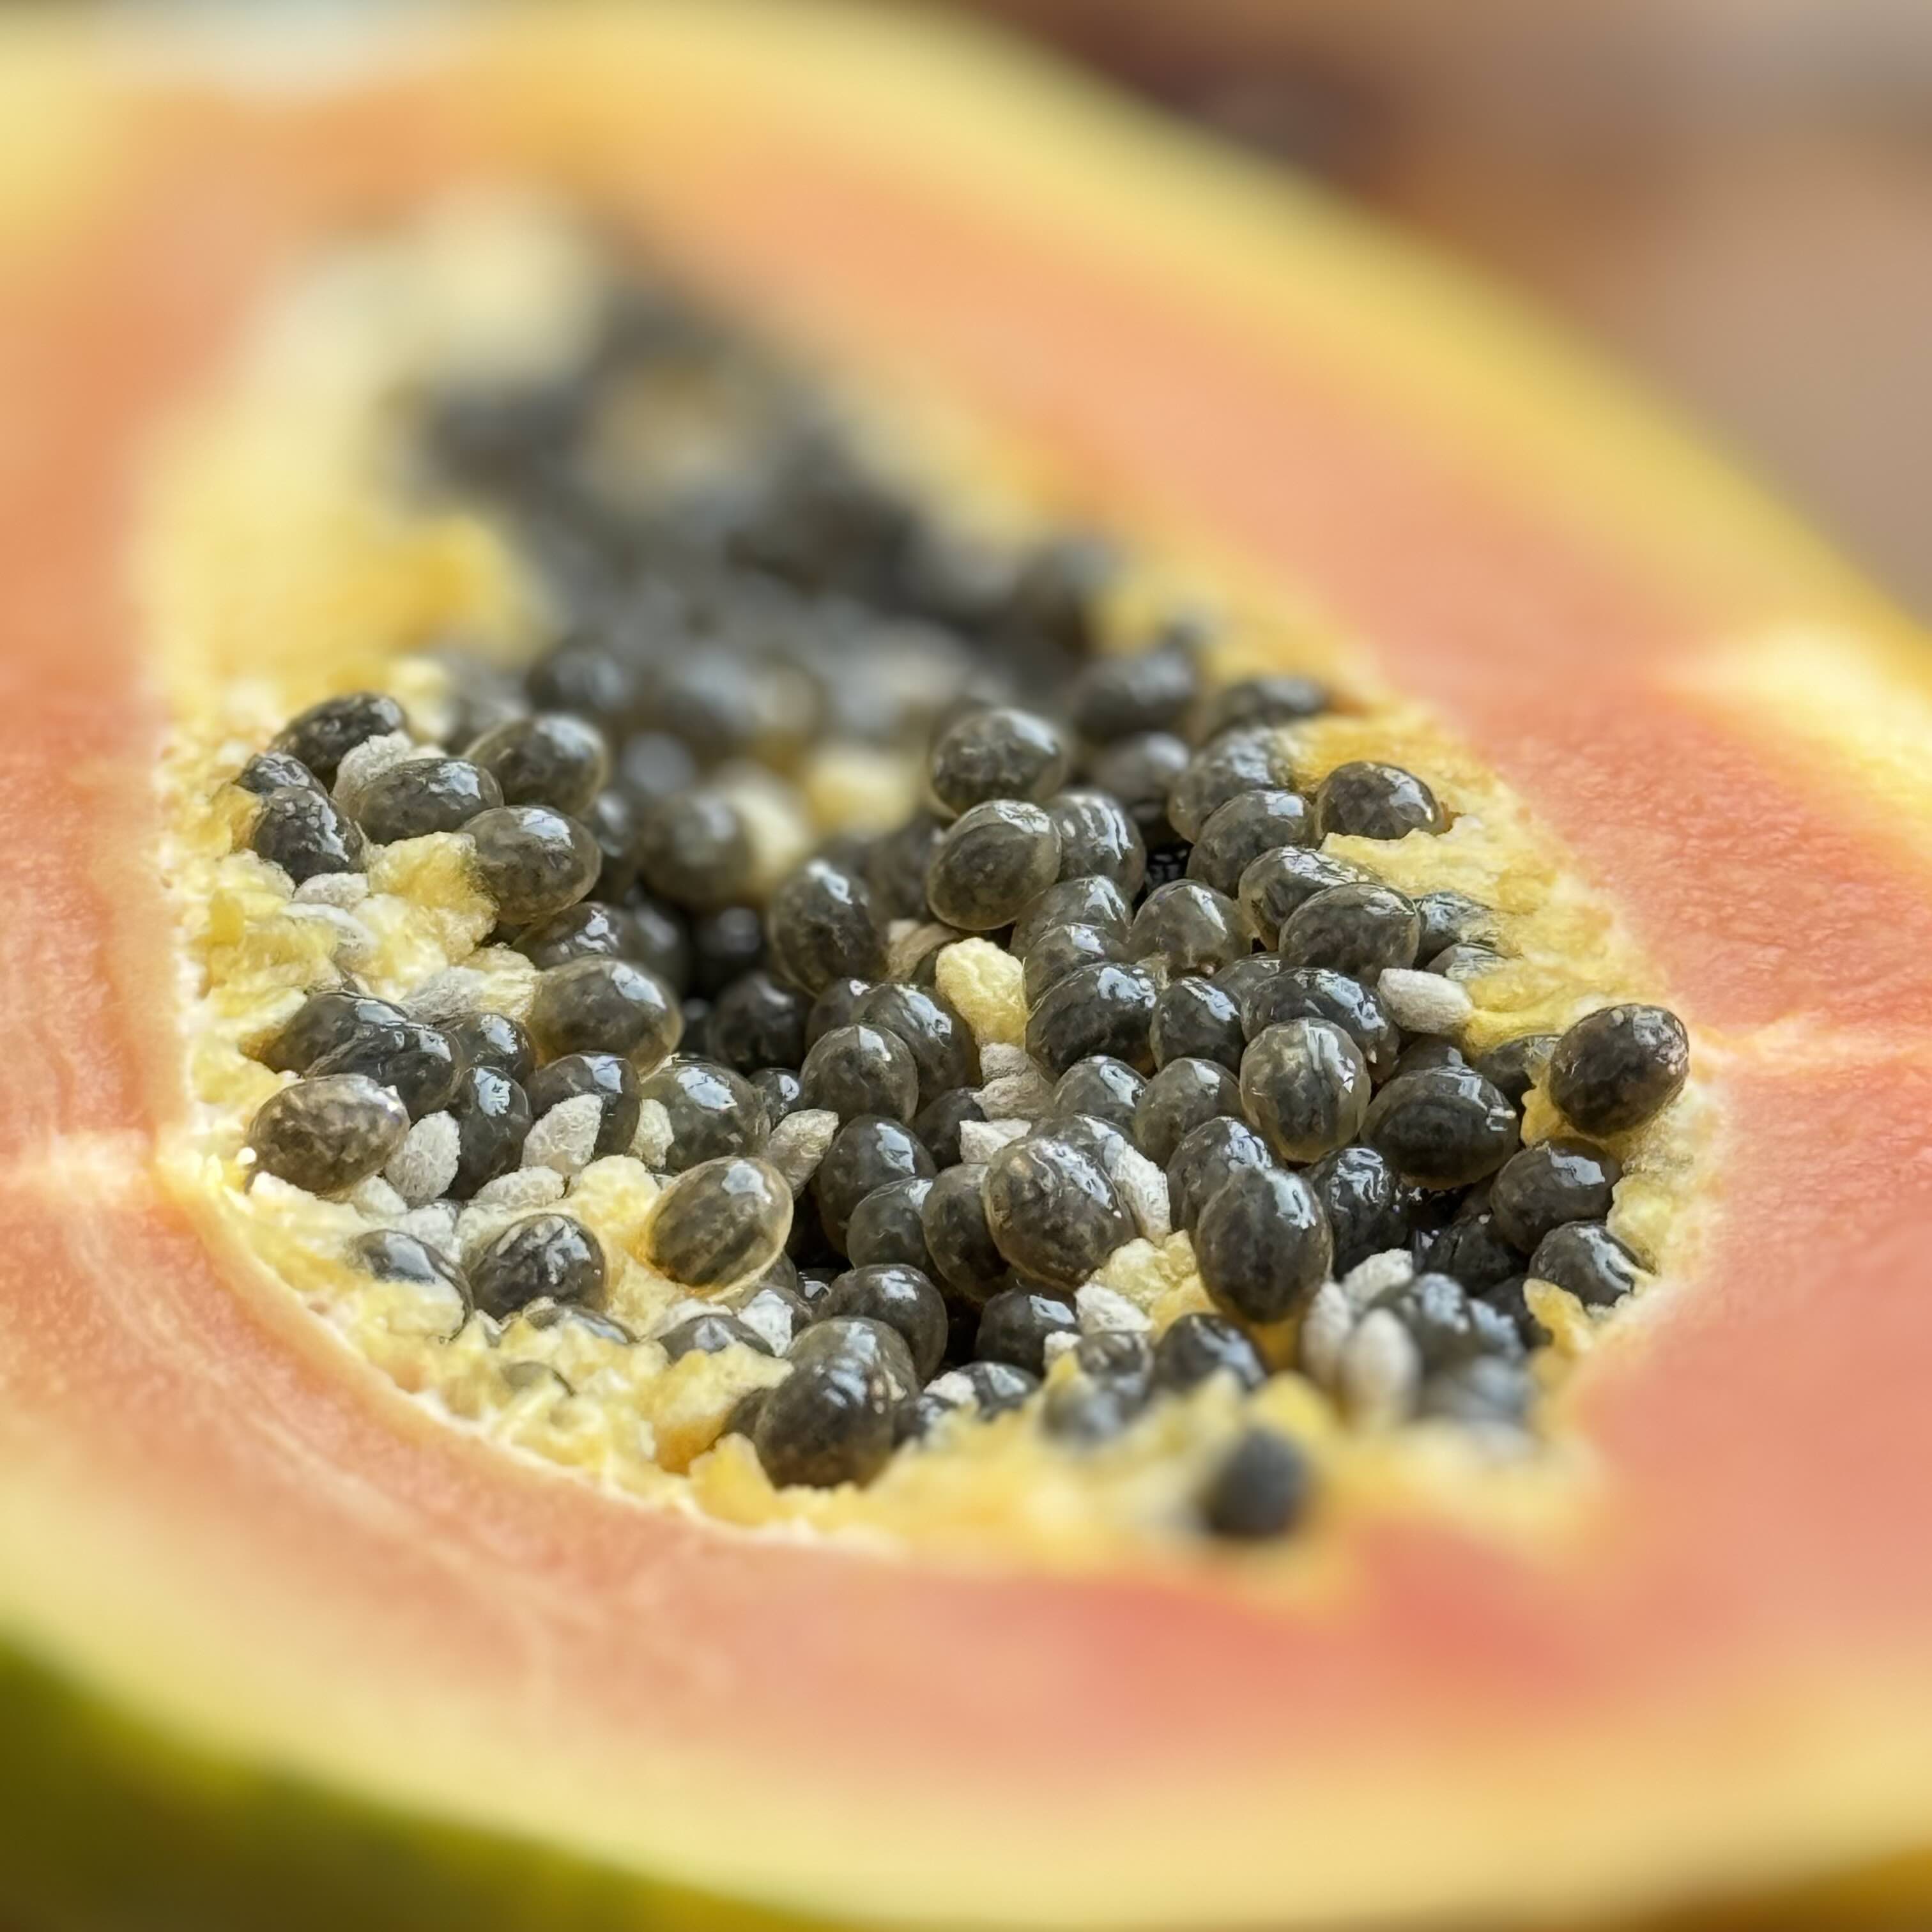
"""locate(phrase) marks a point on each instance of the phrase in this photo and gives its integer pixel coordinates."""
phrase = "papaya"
(850, 909)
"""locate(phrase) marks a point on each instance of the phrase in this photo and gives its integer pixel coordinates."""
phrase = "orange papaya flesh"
(215, 1523)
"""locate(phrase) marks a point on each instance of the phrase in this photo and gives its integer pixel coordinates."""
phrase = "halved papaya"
(282, 1645)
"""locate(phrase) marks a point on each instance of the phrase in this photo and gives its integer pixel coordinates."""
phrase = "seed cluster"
(1228, 1031)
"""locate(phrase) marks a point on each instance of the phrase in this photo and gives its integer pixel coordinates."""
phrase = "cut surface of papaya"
(916, 1017)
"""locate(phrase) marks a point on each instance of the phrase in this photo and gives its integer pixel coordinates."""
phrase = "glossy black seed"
(896, 864)
(913, 1421)
(1305, 1088)
(1098, 839)
(651, 765)
(493, 1116)
(938, 1123)
(1315, 992)
(1108, 1090)
(820, 926)
(589, 930)
(710, 1334)
(992, 861)
(659, 938)
(941, 1043)
(1095, 1009)
(1444, 1127)
(1195, 1019)
(712, 1111)
(1061, 949)
(1618, 1067)
(1205, 1159)
(327, 1133)
(865, 1153)
(609, 1076)
(997, 753)
(1461, 963)
(543, 1313)
(694, 849)
(1118, 1358)
(1261, 1489)
(726, 943)
(1546, 1186)
(827, 1422)
(860, 1338)
(1486, 1388)
(303, 831)
(1368, 1207)
(1015, 1324)
(1517, 1065)
(759, 1021)
(964, 1256)
(389, 1254)
(1362, 800)
(1472, 1248)
(421, 796)
(904, 1299)
(1263, 1244)
(1196, 1346)
(1240, 977)
(1237, 761)
(532, 861)
(271, 771)
(493, 1040)
(549, 1255)
(1451, 918)
(861, 1069)
(1281, 698)
(612, 821)
(605, 1005)
(1052, 1212)
(1277, 884)
(1421, 1054)
(1358, 930)
(419, 1062)
(888, 1226)
(837, 1005)
(323, 1022)
(324, 734)
(780, 1089)
(1239, 832)
(999, 1386)
(551, 759)
(1185, 1094)
(1149, 691)
(1586, 1257)
(1509, 1297)
(1140, 772)
(1089, 900)
(1447, 1326)
(1191, 928)
(720, 1223)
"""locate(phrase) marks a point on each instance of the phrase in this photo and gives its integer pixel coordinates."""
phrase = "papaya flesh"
(279, 1643)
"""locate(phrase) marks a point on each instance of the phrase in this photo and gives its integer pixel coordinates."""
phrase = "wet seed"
(589, 930)
(551, 759)
(1447, 1326)
(826, 1423)
(1277, 883)
(1052, 1212)
(1063, 949)
(1369, 1206)
(1358, 930)
(271, 771)
(306, 833)
(1364, 799)
(997, 753)
(1249, 759)
(1260, 1489)
(421, 796)
(820, 926)
(323, 1022)
(605, 1005)
(1515, 1067)
(532, 861)
(1586, 1257)
(1101, 1009)
(323, 735)
(693, 850)
(1087, 901)
(865, 1153)
(1238, 832)
(904, 1299)
(941, 1043)
(1117, 697)
(547, 1255)
(1180, 1097)
(1304, 1087)
(1283, 697)
(418, 1063)
(392, 1255)
(328, 1133)
(938, 1123)
(494, 1040)
(1618, 1067)
(780, 1090)
(1445, 1127)
(1190, 928)
(1262, 1243)
(1546, 1186)
(958, 1238)
(861, 1069)
(493, 1117)
(710, 1334)
(1473, 1248)
(1196, 1019)
(719, 1224)
(1098, 839)
(1015, 1324)
(758, 1021)
(712, 1112)
(1205, 1159)
(1109, 1089)
(1196, 1346)
(1140, 772)
(991, 863)
(887, 1226)
(609, 1076)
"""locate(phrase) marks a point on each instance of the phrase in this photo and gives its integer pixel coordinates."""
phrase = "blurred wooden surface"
(1735, 195)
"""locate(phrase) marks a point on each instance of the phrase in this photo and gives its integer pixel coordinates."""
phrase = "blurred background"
(1733, 196)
